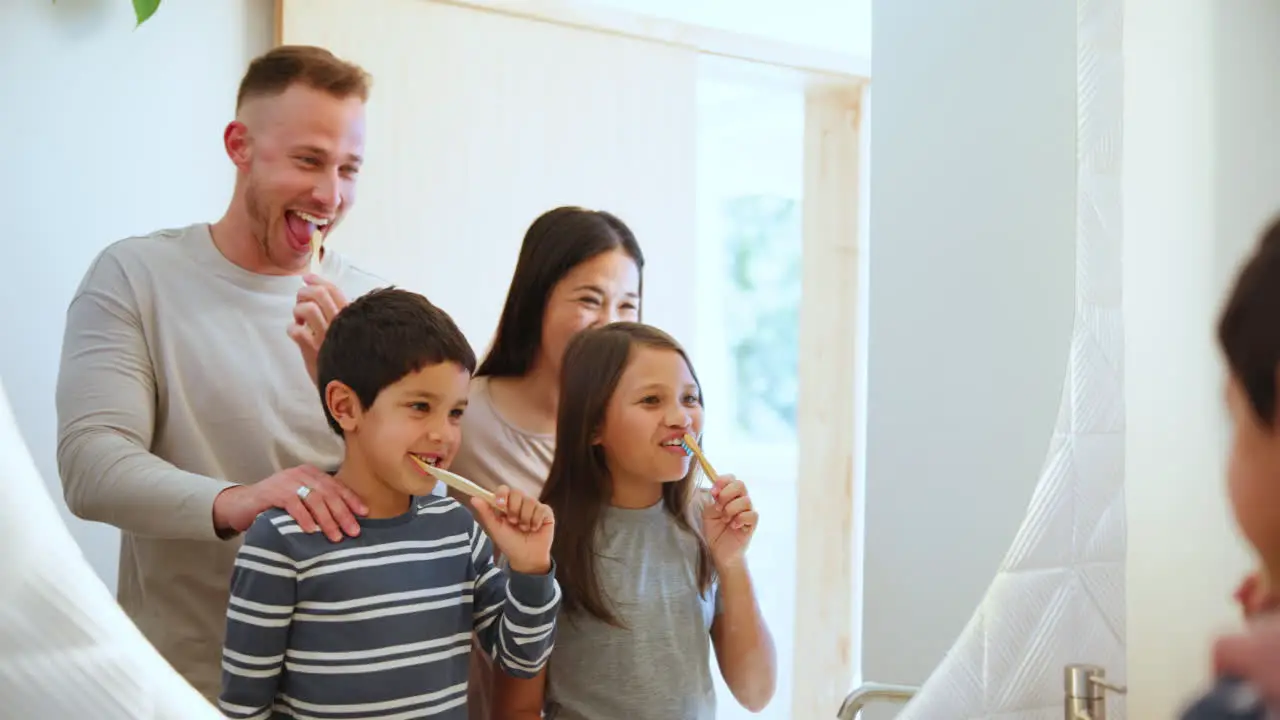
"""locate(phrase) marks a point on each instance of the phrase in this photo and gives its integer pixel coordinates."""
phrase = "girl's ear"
(343, 405)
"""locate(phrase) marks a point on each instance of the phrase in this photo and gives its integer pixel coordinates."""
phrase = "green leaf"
(144, 9)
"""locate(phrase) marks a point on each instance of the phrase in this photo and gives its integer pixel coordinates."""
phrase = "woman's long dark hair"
(557, 242)
(579, 486)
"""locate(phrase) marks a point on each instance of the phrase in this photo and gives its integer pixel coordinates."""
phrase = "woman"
(577, 269)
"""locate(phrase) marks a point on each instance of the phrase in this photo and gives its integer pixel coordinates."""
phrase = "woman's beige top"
(494, 452)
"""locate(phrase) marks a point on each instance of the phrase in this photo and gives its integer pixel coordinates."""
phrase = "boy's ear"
(343, 405)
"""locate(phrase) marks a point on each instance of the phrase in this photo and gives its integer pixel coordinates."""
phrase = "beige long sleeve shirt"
(177, 381)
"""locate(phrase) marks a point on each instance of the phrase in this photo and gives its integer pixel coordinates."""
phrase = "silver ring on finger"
(303, 491)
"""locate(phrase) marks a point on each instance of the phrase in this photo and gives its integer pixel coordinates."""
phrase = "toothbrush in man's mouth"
(319, 225)
(317, 239)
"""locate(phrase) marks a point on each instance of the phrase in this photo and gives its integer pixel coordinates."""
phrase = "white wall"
(468, 142)
(843, 26)
(108, 131)
(972, 245)
(1201, 173)
(1246, 98)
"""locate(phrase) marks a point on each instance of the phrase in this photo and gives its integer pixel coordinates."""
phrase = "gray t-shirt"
(658, 666)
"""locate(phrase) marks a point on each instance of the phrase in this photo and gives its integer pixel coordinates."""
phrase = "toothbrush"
(457, 482)
(691, 448)
(317, 239)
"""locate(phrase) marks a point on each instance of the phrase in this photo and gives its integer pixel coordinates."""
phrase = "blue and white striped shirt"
(379, 625)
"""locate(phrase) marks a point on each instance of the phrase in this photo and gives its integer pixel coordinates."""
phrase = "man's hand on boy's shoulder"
(315, 500)
(521, 527)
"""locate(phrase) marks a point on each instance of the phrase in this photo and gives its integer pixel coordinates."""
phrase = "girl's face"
(599, 291)
(655, 403)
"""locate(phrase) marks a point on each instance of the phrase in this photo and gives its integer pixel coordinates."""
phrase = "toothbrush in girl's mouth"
(691, 448)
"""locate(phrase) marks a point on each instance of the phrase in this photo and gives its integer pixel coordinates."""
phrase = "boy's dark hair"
(383, 336)
(1249, 330)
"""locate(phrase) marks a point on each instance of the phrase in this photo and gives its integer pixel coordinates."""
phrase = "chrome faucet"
(1086, 687)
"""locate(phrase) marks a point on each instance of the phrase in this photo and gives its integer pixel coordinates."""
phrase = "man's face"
(299, 154)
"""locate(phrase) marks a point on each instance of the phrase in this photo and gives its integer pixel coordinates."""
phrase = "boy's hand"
(728, 521)
(522, 531)
(1253, 656)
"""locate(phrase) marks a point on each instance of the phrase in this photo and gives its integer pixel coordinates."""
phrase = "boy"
(380, 624)
(1249, 337)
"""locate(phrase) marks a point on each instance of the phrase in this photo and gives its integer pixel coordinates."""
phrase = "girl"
(577, 269)
(652, 569)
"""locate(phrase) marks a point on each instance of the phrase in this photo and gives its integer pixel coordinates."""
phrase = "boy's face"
(420, 414)
(1253, 475)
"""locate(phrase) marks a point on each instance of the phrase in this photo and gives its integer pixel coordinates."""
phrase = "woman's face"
(596, 292)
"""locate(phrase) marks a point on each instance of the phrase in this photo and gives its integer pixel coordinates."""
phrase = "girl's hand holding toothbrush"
(729, 520)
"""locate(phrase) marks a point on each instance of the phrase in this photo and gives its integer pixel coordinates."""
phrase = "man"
(183, 408)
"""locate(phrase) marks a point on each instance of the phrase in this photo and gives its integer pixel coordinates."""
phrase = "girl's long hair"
(579, 485)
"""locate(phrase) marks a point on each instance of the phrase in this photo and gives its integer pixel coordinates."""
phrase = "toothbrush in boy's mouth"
(428, 465)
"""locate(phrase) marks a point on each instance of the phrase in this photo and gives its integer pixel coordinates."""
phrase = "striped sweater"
(379, 625)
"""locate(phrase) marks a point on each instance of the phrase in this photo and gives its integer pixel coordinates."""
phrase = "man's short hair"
(279, 69)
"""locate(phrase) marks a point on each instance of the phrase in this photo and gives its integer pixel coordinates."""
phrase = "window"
(748, 273)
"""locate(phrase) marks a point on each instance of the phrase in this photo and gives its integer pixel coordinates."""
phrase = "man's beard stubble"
(258, 224)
